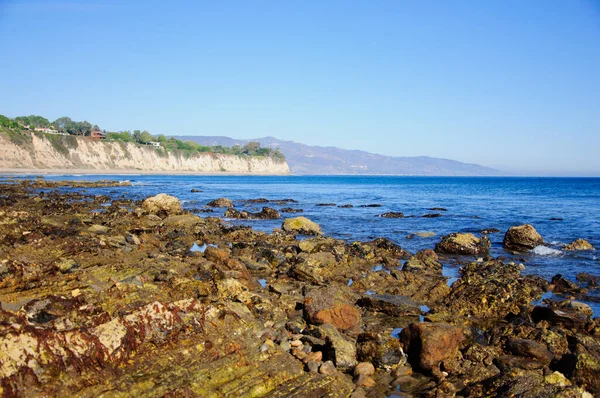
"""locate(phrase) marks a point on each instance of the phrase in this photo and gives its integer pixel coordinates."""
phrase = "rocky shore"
(106, 296)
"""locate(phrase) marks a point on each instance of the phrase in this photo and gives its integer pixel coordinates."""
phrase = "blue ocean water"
(561, 209)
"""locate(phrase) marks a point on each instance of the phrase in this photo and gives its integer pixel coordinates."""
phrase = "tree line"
(66, 125)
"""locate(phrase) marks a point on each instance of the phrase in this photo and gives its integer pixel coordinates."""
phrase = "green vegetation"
(16, 127)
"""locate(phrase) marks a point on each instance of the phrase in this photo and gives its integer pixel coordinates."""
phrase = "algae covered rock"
(522, 237)
(301, 225)
(579, 244)
(425, 261)
(220, 202)
(162, 204)
(266, 213)
(463, 244)
(344, 351)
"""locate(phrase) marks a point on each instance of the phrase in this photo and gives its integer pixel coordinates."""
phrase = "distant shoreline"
(128, 172)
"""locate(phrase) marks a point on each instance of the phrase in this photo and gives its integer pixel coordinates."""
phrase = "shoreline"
(128, 172)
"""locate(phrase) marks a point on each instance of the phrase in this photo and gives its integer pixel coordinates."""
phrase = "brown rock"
(301, 225)
(530, 349)
(522, 238)
(364, 381)
(330, 305)
(216, 255)
(430, 344)
(327, 368)
(425, 261)
(579, 244)
(467, 244)
(162, 204)
(364, 368)
(220, 202)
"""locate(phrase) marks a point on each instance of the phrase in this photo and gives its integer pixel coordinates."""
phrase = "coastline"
(30, 171)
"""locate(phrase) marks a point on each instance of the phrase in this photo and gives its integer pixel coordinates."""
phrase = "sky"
(508, 84)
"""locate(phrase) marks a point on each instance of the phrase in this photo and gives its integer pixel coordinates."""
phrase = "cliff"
(46, 151)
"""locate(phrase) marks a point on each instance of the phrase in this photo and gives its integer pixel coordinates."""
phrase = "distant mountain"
(306, 159)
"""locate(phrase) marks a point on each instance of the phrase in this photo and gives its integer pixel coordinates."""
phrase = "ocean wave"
(546, 251)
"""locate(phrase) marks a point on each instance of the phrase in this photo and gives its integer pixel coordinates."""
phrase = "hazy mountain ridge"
(307, 159)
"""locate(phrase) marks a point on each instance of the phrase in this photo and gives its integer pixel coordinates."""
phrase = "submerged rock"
(579, 244)
(522, 237)
(162, 204)
(392, 214)
(463, 244)
(301, 225)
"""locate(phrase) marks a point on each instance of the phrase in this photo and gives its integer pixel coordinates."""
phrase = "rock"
(216, 255)
(559, 284)
(220, 202)
(371, 205)
(316, 356)
(582, 308)
(67, 266)
(392, 214)
(402, 370)
(99, 229)
(325, 204)
(522, 238)
(364, 381)
(330, 305)
(327, 368)
(313, 366)
(390, 304)
(162, 205)
(424, 234)
(438, 209)
(467, 244)
(579, 244)
(133, 239)
(314, 267)
(530, 349)
(266, 213)
(344, 351)
(195, 190)
(346, 206)
(291, 210)
(489, 231)
(301, 225)
(428, 345)
(425, 261)
(567, 317)
(364, 368)
(433, 215)
(380, 349)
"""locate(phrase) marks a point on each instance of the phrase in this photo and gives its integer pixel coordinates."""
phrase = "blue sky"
(508, 84)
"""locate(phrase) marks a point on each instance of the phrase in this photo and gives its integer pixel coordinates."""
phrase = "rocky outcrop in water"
(522, 237)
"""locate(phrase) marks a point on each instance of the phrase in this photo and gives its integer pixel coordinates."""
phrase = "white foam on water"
(546, 251)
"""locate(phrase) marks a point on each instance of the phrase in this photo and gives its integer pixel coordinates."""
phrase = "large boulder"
(331, 305)
(463, 244)
(301, 225)
(220, 202)
(162, 204)
(579, 244)
(428, 345)
(522, 237)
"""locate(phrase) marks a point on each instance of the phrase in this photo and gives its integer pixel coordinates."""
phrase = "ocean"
(561, 209)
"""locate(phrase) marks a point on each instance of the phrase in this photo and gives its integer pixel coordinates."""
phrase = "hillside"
(52, 151)
(306, 159)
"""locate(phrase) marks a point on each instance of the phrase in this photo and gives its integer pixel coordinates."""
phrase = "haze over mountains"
(307, 159)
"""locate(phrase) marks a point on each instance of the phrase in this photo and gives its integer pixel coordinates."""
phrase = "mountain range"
(309, 159)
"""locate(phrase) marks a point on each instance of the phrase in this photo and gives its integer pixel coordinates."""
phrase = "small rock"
(400, 371)
(132, 239)
(364, 381)
(467, 244)
(162, 204)
(364, 368)
(99, 229)
(327, 368)
(195, 190)
(301, 225)
(67, 266)
(392, 214)
(579, 244)
(312, 366)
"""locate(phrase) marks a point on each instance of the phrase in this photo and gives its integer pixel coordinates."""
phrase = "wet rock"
(392, 214)
(346, 206)
(579, 244)
(428, 345)
(195, 190)
(314, 267)
(467, 244)
(530, 349)
(424, 234)
(364, 381)
(507, 363)
(325, 204)
(522, 238)
(591, 280)
(162, 205)
(266, 213)
(313, 366)
(559, 284)
(331, 305)
(380, 349)
(438, 209)
(566, 317)
(489, 231)
(389, 304)
(425, 261)
(291, 210)
(371, 205)
(220, 202)
(344, 351)
(67, 266)
(301, 225)
(432, 215)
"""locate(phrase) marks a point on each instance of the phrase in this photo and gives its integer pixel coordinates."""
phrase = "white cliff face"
(59, 152)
